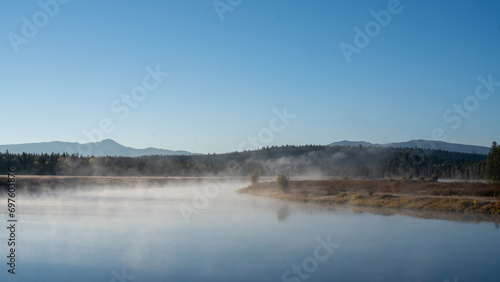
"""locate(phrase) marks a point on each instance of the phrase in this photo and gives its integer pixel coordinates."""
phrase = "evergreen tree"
(493, 163)
(254, 177)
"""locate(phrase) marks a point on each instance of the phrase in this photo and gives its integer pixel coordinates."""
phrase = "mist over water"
(101, 234)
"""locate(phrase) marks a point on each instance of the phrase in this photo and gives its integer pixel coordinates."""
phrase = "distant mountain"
(106, 147)
(426, 144)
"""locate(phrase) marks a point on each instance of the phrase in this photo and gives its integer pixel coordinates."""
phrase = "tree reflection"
(283, 213)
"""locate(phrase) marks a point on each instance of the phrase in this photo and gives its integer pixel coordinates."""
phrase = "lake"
(140, 234)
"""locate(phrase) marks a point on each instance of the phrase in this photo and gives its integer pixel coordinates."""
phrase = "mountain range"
(109, 147)
(426, 144)
(106, 147)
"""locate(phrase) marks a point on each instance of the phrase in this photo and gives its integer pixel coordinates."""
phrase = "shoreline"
(458, 197)
(455, 197)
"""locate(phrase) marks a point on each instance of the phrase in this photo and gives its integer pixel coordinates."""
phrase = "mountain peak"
(108, 141)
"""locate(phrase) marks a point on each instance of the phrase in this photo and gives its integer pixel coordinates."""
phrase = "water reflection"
(283, 213)
(84, 235)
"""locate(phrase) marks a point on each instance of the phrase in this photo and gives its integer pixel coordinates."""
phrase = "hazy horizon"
(420, 144)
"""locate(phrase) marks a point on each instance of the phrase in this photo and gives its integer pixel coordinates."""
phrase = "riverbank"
(464, 197)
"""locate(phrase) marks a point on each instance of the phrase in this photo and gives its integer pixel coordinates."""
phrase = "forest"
(308, 160)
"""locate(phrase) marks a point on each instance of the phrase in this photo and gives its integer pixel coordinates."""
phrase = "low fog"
(141, 227)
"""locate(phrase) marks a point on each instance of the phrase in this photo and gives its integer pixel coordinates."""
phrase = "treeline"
(339, 161)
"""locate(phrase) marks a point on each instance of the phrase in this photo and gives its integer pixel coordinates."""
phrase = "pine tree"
(254, 177)
(493, 163)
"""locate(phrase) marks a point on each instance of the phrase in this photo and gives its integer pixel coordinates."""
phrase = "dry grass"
(474, 197)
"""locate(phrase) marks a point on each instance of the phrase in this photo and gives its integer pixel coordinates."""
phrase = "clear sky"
(236, 65)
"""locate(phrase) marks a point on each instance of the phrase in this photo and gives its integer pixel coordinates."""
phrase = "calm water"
(141, 235)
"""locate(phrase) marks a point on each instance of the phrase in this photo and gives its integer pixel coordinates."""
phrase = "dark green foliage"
(282, 182)
(348, 162)
(493, 163)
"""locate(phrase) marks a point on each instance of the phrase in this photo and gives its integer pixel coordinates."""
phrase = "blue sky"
(229, 72)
